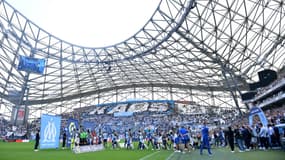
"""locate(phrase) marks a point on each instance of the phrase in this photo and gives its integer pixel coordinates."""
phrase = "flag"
(50, 131)
(72, 126)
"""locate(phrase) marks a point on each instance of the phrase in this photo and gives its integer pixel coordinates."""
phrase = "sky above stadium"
(92, 23)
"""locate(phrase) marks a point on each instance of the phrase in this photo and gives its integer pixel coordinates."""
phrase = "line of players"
(179, 140)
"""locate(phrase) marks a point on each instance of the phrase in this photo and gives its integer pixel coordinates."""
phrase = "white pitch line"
(172, 154)
(147, 156)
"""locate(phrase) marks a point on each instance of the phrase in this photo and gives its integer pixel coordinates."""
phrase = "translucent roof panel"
(196, 50)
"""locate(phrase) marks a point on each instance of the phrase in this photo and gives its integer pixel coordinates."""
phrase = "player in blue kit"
(205, 139)
(185, 137)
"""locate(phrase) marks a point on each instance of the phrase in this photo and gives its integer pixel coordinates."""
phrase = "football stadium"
(198, 80)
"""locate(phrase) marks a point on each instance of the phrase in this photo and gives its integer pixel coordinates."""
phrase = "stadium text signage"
(88, 148)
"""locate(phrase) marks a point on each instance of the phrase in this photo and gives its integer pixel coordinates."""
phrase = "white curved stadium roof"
(194, 50)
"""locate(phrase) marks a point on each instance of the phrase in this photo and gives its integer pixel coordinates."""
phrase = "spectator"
(230, 136)
(239, 138)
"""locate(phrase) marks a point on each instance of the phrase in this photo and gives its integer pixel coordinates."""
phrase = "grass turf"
(24, 151)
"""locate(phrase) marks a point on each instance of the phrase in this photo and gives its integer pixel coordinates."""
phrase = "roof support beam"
(225, 69)
(181, 86)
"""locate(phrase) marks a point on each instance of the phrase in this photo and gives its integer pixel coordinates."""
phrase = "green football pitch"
(24, 151)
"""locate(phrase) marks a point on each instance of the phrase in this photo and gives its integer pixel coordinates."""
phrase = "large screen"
(33, 65)
(19, 115)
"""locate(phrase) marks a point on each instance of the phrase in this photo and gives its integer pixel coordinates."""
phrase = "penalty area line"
(147, 156)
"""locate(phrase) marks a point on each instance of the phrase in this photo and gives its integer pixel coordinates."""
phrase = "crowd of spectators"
(9, 131)
(246, 137)
(164, 121)
(271, 87)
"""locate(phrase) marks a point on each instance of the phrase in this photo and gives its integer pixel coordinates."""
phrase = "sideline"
(147, 156)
